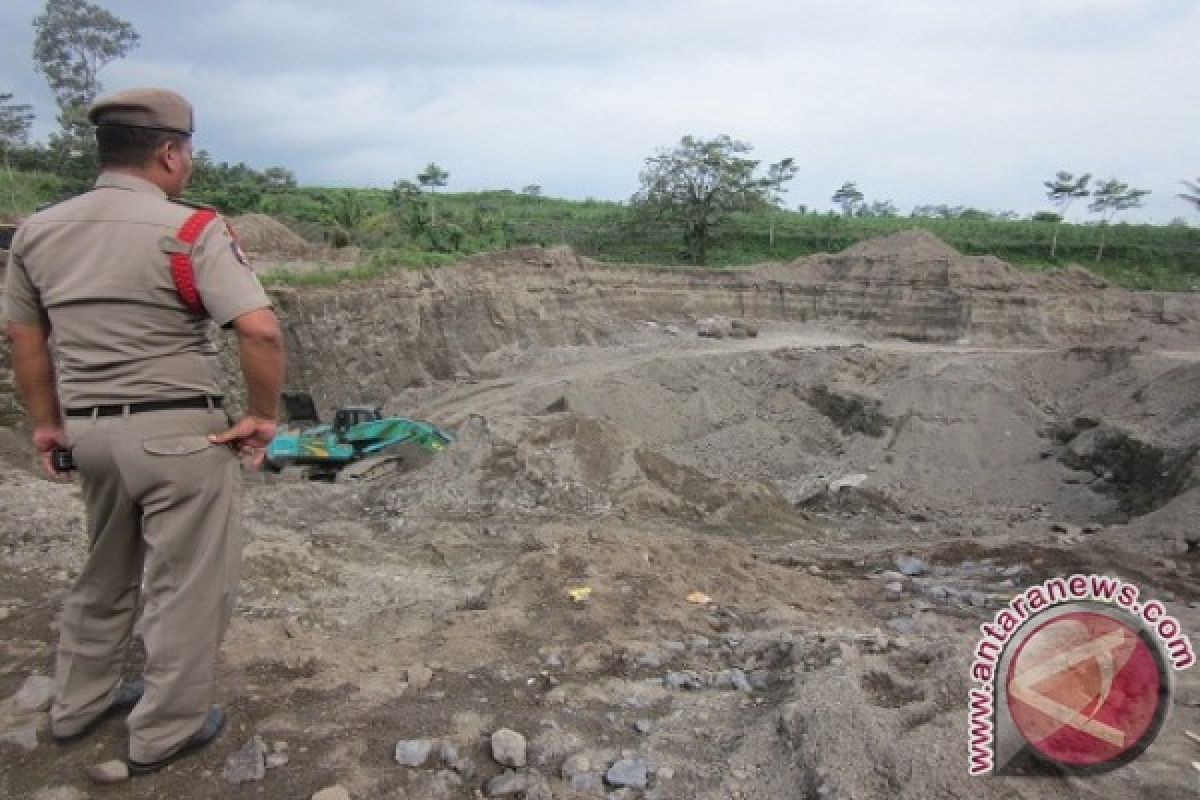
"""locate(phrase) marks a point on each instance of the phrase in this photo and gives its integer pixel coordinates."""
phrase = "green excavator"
(361, 444)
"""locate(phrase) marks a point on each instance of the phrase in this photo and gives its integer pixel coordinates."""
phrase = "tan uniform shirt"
(94, 270)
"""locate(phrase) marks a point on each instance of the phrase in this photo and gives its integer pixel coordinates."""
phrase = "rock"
(413, 752)
(582, 781)
(551, 746)
(1068, 529)
(35, 694)
(276, 760)
(643, 725)
(937, 592)
(508, 784)
(575, 765)
(114, 771)
(744, 328)
(508, 748)
(4, 613)
(760, 680)
(852, 481)
(649, 661)
(894, 590)
(902, 625)
(910, 566)
(247, 764)
(739, 681)
(714, 327)
(448, 753)
(23, 736)
(977, 599)
(665, 773)
(629, 772)
(419, 677)
(332, 793)
(683, 680)
(672, 646)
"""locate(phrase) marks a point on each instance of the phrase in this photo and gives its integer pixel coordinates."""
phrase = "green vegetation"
(697, 185)
(1136, 256)
(700, 202)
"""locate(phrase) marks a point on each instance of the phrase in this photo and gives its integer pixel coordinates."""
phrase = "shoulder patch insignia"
(236, 247)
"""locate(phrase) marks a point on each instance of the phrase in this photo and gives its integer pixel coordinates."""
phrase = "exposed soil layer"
(899, 401)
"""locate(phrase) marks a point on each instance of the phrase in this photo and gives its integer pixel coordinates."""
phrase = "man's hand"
(249, 436)
(45, 439)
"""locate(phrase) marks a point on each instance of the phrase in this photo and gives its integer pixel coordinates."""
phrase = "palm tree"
(1193, 193)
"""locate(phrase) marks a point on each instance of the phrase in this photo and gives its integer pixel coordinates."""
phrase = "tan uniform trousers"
(159, 497)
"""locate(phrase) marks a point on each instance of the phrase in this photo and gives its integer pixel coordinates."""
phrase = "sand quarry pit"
(909, 439)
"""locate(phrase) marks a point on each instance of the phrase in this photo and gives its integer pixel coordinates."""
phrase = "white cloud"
(924, 101)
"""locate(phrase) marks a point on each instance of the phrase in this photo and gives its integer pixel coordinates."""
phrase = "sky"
(961, 102)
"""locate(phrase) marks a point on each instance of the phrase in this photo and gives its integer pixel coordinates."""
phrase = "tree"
(697, 183)
(1062, 191)
(848, 197)
(532, 190)
(15, 122)
(1111, 198)
(74, 40)
(1192, 195)
(433, 177)
(885, 209)
(278, 178)
(406, 198)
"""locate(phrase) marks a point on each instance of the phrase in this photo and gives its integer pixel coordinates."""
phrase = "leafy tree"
(884, 209)
(848, 197)
(278, 178)
(697, 183)
(1111, 198)
(74, 40)
(403, 193)
(1192, 195)
(408, 202)
(433, 177)
(1062, 191)
(940, 211)
(15, 122)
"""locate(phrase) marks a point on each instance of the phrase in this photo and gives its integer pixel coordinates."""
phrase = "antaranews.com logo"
(1075, 673)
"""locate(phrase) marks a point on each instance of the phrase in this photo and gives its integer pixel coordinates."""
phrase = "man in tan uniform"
(95, 282)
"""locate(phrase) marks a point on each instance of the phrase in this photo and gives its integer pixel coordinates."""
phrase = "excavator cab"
(346, 418)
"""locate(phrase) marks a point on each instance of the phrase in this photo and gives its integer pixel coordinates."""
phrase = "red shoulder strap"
(181, 263)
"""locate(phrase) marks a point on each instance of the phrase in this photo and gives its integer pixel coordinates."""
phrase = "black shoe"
(125, 699)
(213, 724)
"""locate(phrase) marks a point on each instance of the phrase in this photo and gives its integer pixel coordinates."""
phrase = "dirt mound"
(263, 235)
(559, 257)
(913, 246)
(909, 259)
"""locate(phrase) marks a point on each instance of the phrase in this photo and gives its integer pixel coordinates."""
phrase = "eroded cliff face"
(364, 343)
(368, 342)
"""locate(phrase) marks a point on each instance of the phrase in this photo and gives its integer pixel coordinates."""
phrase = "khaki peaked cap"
(157, 109)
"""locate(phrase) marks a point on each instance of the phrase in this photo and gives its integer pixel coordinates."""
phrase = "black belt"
(121, 409)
